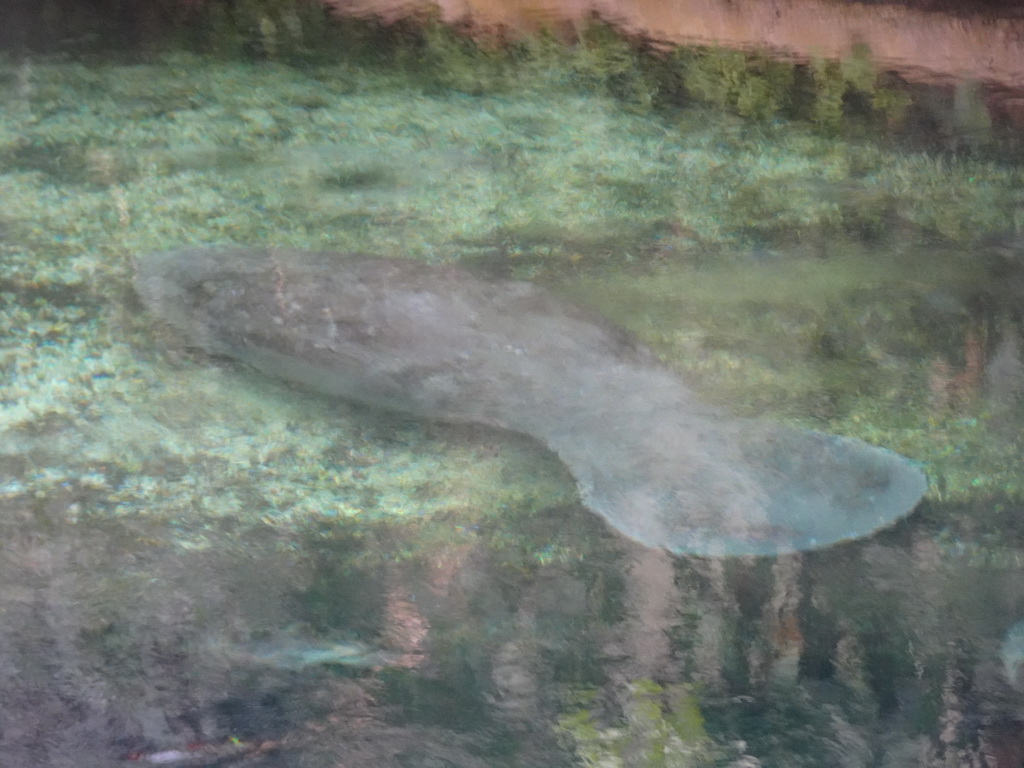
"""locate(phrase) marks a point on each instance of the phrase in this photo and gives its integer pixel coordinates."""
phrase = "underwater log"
(437, 342)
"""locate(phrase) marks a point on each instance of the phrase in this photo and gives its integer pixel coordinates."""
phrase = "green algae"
(534, 169)
(662, 728)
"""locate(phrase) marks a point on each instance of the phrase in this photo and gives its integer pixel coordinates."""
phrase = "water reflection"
(184, 542)
(975, 45)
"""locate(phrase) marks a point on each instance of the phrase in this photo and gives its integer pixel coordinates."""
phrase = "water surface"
(438, 592)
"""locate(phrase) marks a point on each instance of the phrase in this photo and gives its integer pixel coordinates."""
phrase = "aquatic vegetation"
(662, 728)
(755, 86)
(839, 85)
(550, 182)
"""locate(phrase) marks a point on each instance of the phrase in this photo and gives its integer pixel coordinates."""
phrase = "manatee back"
(435, 341)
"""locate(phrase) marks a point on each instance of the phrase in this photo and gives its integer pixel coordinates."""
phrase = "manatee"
(440, 343)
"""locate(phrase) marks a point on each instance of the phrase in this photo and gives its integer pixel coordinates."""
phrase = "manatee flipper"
(711, 484)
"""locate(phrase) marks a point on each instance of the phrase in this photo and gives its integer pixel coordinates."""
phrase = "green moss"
(663, 728)
(830, 87)
(755, 86)
(259, 29)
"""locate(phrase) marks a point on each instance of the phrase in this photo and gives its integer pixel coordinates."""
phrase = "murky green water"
(199, 564)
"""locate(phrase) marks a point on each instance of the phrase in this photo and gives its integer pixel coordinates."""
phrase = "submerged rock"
(437, 342)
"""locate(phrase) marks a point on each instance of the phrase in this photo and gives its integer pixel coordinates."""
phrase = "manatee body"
(439, 343)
